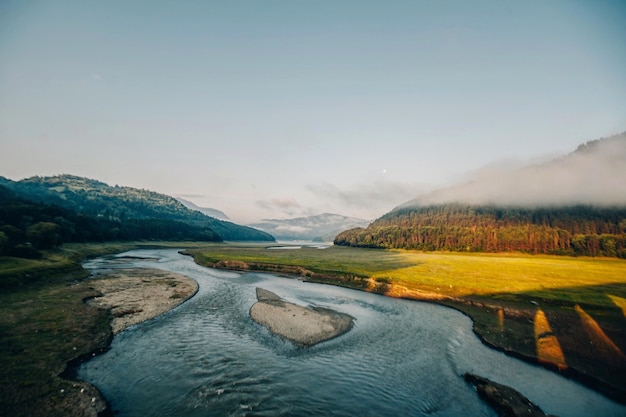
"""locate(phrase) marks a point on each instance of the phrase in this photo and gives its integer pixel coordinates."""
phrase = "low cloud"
(594, 174)
(285, 206)
(369, 200)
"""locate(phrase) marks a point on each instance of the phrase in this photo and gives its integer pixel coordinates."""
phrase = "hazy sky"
(275, 109)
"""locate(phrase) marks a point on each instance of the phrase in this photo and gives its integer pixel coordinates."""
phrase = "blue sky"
(276, 109)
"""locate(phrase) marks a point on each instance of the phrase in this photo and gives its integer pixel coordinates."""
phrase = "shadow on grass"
(557, 328)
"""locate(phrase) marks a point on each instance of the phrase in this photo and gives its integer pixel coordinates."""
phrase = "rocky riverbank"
(506, 401)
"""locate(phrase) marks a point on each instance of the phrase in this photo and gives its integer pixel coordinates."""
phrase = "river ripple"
(208, 358)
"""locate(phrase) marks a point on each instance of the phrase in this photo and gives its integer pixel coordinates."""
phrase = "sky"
(280, 109)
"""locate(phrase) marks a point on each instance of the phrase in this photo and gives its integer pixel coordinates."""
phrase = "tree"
(4, 241)
(44, 235)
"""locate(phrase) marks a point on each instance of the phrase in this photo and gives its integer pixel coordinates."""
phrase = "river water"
(208, 358)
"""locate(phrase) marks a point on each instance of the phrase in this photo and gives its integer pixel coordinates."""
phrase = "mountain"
(27, 226)
(96, 199)
(572, 205)
(322, 227)
(220, 215)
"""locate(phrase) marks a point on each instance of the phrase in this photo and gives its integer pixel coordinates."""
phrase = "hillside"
(96, 199)
(573, 205)
(322, 227)
(27, 226)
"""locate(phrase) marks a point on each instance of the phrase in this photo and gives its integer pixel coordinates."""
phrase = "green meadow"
(558, 279)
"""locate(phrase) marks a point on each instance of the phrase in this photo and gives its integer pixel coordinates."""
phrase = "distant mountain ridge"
(322, 227)
(572, 205)
(97, 199)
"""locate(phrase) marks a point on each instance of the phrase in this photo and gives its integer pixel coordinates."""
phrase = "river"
(208, 358)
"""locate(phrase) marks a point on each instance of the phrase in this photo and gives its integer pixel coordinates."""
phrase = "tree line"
(574, 231)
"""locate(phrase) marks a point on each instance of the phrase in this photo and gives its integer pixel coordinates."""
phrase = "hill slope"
(574, 205)
(27, 226)
(97, 199)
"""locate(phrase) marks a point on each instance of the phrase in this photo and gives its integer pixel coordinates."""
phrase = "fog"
(594, 174)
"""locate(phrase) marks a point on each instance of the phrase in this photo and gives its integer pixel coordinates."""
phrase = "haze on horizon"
(283, 109)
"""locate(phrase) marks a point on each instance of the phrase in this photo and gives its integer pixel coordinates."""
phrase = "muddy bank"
(302, 325)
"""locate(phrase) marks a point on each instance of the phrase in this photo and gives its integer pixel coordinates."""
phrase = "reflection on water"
(208, 358)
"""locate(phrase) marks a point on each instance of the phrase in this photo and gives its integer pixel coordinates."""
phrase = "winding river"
(208, 358)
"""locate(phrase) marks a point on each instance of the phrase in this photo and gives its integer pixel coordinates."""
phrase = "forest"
(575, 231)
(27, 227)
(119, 213)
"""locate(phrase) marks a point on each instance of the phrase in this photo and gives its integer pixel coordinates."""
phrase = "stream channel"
(402, 358)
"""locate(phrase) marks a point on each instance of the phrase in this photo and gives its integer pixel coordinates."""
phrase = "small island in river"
(304, 326)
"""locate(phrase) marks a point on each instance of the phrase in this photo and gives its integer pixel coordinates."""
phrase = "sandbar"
(139, 294)
(304, 326)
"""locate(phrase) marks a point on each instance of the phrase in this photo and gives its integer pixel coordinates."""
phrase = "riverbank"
(560, 313)
(302, 325)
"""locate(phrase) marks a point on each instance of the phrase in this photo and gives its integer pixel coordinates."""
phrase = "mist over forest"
(573, 205)
(593, 174)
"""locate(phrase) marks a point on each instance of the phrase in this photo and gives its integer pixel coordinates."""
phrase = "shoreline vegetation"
(48, 327)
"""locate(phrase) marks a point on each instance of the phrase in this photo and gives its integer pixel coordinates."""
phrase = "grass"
(43, 329)
(512, 298)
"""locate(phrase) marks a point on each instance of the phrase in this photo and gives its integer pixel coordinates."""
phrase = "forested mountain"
(322, 227)
(27, 226)
(574, 205)
(96, 199)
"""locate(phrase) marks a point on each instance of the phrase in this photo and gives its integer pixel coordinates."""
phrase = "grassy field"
(566, 313)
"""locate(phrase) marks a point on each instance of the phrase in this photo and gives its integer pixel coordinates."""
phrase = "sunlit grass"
(548, 348)
(605, 346)
(470, 274)
(619, 302)
(575, 280)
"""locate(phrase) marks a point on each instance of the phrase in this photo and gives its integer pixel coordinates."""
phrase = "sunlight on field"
(603, 344)
(619, 301)
(501, 319)
(548, 347)
(461, 274)
(573, 280)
